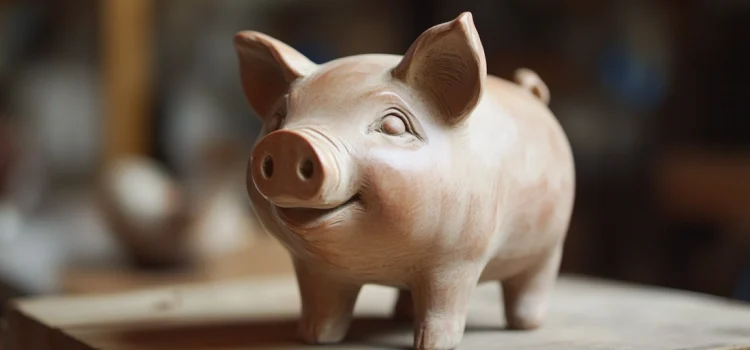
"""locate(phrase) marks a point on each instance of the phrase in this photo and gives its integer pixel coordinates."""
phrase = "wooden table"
(261, 312)
(266, 257)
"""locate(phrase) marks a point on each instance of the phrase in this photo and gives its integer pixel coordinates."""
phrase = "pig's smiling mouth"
(301, 217)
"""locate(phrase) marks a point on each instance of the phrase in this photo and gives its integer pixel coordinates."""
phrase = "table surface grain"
(258, 313)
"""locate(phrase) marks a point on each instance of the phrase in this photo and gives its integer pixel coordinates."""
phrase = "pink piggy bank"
(419, 172)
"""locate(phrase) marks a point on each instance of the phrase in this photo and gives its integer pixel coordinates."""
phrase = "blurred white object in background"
(31, 262)
(45, 242)
(59, 104)
(145, 211)
(143, 191)
(150, 214)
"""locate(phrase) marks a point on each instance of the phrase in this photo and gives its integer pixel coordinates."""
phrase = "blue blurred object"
(743, 286)
(632, 79)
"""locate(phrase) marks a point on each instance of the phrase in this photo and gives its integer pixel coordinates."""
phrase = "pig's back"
(533, 172)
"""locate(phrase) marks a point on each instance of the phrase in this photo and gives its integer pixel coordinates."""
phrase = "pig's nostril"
(305, 169)
(267, 167)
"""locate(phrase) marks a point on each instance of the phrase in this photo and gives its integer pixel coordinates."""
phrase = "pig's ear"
(267, 68)
(447, 63)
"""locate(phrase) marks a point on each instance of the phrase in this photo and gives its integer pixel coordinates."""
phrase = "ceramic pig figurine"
(419, 172)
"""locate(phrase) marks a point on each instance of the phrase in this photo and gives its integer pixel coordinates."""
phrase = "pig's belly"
(500, 268)
(496, 270)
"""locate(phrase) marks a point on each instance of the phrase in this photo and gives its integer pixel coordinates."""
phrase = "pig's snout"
(302, 168)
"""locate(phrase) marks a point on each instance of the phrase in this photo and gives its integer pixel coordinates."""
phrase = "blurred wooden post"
(126, 43)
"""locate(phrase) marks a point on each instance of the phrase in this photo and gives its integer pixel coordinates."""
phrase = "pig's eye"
(393, 125)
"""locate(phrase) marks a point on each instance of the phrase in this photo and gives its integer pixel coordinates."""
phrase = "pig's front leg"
(527, 295)
(327, 305)
(441, 303)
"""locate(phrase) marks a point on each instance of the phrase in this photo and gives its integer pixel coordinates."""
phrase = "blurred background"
(124, 131)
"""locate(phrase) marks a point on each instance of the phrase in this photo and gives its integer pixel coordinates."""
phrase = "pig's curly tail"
(531, 82)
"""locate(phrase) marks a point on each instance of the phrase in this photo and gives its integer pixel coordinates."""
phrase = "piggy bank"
(419, 172)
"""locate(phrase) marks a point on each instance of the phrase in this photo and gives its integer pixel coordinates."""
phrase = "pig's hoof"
(525, 314)
(524, 322)
(321, 332)
(437, 337)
